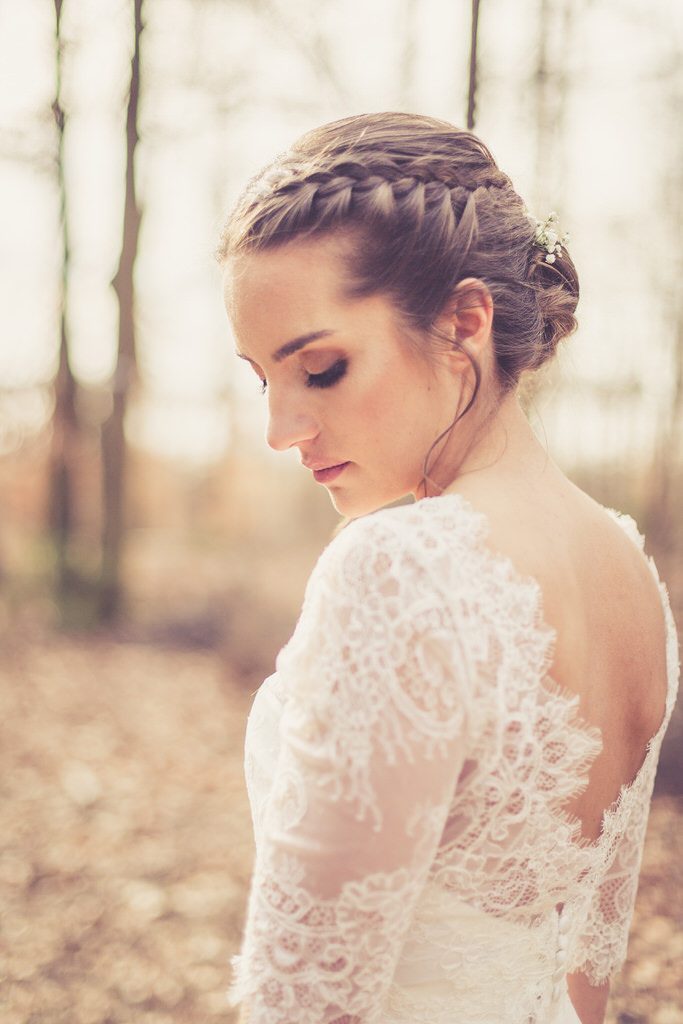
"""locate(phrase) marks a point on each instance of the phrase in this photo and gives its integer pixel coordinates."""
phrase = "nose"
(289, 424)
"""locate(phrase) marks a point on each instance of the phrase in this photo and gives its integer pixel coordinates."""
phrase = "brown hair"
(424, 206)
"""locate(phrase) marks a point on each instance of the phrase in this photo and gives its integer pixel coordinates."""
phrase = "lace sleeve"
(601, 948)
(373, 737)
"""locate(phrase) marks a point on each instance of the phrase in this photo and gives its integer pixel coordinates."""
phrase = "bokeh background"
(153, 551)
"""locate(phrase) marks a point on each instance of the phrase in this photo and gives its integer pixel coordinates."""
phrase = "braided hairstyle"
(424, 206)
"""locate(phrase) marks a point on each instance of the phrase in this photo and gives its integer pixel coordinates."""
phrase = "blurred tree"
(65, 425)
(544, 122)
(663, 497)
(406, 70)
(472, 88)
(125, 372)
(313, 43)
(551, 86)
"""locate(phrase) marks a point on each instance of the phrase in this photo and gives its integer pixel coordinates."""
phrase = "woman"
(450, 771)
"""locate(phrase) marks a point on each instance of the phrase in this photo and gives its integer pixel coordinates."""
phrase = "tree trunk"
(65, 426)
(406, 70)
(125, 374)
(664, 483)
(551, 85)
(472, 88)
(664, 476)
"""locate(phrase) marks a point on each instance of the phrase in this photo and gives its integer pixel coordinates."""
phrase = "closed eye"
(328, 377)
(319, 380)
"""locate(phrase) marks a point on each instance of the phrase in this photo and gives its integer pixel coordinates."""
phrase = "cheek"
(375, 405)
(392, 407)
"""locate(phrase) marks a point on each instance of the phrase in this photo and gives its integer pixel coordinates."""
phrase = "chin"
(353, 503)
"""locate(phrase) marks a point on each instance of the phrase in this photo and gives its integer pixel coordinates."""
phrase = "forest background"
(153, 551)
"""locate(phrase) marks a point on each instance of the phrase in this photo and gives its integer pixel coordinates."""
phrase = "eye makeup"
(325, 379)
(328, 377)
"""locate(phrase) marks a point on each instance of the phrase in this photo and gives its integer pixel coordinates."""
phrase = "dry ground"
(126, 850)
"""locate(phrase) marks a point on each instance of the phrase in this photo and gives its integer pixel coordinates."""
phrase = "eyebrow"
(290, 347)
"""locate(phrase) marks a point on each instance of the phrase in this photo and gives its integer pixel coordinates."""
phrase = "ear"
(468, 318)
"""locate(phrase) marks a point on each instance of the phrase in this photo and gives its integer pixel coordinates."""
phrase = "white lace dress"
(407, 766)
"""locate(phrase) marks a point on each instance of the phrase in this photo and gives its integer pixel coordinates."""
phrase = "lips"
(325, 474)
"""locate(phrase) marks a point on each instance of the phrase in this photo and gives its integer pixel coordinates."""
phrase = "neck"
(500, 443)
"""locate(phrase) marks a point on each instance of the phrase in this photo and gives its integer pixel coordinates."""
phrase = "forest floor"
(126, 846)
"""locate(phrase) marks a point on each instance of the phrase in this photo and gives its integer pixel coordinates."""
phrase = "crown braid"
(424, 205)
(380, 189)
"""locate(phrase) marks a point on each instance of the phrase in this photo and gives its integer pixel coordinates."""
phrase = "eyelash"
(320, 380)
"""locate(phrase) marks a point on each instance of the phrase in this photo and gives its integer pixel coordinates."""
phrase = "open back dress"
(408, 766)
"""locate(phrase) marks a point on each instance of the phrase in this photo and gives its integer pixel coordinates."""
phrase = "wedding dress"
(407, 766)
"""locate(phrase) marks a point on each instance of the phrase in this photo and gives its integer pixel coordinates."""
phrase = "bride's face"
(342, 383)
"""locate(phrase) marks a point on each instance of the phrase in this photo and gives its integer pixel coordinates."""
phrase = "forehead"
(299, 278)
(297, 289)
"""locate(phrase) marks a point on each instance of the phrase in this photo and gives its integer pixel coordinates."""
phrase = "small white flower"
(547, 236)
(269, 181)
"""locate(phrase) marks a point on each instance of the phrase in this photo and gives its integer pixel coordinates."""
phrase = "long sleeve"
(373, 736)
(601, 948)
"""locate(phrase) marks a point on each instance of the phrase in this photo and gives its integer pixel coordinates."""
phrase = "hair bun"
(557, 290)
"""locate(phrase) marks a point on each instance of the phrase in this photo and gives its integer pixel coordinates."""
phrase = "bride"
(450, 770)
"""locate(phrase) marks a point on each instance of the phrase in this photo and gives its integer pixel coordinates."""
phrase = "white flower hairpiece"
(548, 236)
(267, 182)
(263, 184)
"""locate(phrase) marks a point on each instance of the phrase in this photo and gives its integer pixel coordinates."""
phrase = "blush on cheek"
(379, 404)
(388, 413)
(393, 420)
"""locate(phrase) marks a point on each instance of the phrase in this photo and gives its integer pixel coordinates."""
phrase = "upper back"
(603, 602)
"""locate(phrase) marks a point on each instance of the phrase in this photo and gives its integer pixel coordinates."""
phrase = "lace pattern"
(411, 755)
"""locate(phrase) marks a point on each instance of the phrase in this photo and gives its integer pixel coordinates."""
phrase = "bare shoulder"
(562, 536)
(599, 592)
